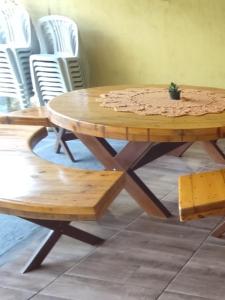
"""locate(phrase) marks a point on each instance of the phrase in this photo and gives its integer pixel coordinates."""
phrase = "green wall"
(147, 41)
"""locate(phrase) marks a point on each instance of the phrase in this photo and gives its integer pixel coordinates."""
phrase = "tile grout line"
(76, 264)
(188, 260)
(84, 258)
(61, 274)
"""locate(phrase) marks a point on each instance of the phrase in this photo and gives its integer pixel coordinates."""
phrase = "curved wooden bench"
(202, 195)
(39, 116)
(48, 194)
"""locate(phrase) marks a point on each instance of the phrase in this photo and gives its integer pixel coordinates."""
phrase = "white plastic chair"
(17, 43)
(59, 34)
(60, 69)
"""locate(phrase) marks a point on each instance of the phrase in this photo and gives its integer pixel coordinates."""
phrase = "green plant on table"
(174, 91)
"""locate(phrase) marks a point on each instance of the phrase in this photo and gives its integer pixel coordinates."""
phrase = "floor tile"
(65, 254)
(208, 224)
(10, 294)
(204, 275)
(43, 297)
(78, 288)
(142, 259)
(176, 296)
(171, 227)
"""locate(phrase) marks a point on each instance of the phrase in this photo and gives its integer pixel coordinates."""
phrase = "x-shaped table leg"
(132, 156)
(211, 148)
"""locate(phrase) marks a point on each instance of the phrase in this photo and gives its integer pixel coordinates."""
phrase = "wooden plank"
(202, 194)
(38, 116)
(185, 192)
(29, 116)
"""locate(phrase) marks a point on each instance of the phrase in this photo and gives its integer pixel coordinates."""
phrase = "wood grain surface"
(202, 194)
(80, 112)
(29, 116)
(34, 188)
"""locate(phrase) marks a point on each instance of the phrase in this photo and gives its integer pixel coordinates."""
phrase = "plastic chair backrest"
(59, 35)
(15, 27)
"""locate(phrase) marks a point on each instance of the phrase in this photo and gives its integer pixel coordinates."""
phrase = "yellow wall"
(147, 41)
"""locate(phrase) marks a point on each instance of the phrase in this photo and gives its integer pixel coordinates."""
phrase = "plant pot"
(175, 95)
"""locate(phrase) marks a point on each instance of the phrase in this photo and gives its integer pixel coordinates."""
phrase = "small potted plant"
(174, 91)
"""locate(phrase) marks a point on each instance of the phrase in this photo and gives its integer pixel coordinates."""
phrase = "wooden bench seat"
(29, 116)
(202, 195)
(48, 194)
(39, 116)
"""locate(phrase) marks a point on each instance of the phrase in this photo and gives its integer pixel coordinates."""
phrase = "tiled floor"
(142, 258)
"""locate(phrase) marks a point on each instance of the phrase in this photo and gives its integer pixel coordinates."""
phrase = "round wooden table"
(149, 136)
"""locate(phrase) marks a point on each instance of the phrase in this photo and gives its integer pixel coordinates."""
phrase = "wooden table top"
(80, 112)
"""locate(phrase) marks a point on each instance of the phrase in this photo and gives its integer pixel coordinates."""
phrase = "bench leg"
(41, 253)
(61, 143)
(58, 228)
(219, 231)
(81, 235)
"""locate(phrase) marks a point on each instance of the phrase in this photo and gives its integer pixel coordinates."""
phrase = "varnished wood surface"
(34, 188)
(38, 116)
(202, 194)
(80, 112)
(29, 116)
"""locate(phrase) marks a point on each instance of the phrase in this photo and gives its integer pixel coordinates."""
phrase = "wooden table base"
(58, 228)
(133, 156)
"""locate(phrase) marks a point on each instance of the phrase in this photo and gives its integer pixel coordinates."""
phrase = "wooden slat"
(202, 194)
(34, 188)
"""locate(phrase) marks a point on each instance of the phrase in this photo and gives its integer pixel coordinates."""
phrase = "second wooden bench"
(203, 195)
(48, 194)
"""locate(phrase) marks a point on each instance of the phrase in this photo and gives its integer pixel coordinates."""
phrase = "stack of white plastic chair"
(59, 69)
(60, 66)
(17, 43)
